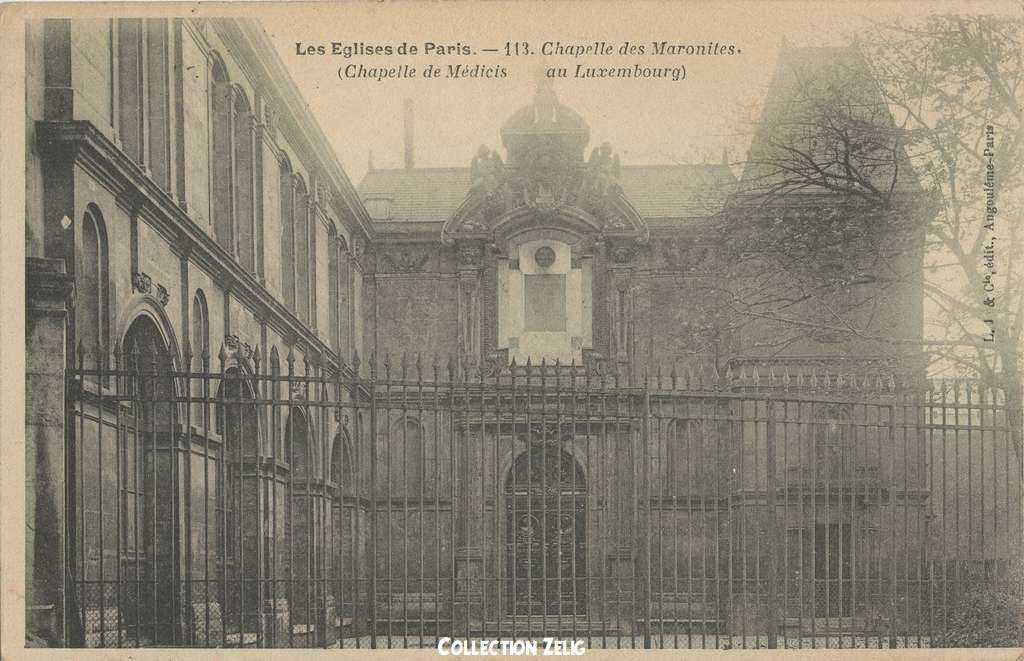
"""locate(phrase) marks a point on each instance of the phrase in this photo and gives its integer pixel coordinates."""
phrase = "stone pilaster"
(48, 290)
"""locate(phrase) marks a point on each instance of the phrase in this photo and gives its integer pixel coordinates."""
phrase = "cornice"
(81, 142)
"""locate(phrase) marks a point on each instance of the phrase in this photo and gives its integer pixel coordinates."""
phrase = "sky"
(655, 121)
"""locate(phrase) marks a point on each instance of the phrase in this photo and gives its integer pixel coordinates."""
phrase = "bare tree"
(825, 230)
(892, 170)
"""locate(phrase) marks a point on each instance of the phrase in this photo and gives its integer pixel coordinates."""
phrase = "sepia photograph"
(514, 329)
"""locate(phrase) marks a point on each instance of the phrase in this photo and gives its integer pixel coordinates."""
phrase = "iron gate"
(242, 500)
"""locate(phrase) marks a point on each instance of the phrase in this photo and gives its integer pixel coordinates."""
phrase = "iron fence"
(245, 501)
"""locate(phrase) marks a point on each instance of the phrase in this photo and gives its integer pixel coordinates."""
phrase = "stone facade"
(191, 199)
(178, 187)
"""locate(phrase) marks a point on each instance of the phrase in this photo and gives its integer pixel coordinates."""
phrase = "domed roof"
(545, 115)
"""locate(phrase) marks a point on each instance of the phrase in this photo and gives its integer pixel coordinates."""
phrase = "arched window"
(297, 446)
(244, 163)
(287, 235)
(93, 315)
(129, 79)
(200, 339)
(143, 73)
(341, 460)
(333, 256)
(302, 230)
(158, 97)
(221, 106)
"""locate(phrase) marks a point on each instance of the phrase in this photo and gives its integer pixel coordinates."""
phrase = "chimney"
(407, 108)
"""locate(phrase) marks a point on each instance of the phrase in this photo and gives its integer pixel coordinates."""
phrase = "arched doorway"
(149, 492)
(545, 533)
(342, 544)
(302, 562)
(236, 496)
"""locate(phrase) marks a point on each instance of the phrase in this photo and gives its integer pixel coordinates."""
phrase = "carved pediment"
(547, 183)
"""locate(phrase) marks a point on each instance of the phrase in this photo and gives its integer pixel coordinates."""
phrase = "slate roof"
(657, 191)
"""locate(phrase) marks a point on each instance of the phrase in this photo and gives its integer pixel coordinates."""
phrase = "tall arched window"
(143, 108)
(244, 210)
(129, 81)
(93, 315)
(220, 166)
(158, 101)
(302, 230)
(341, 460)
(333, 249)
(287, 235)
(200, 339)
